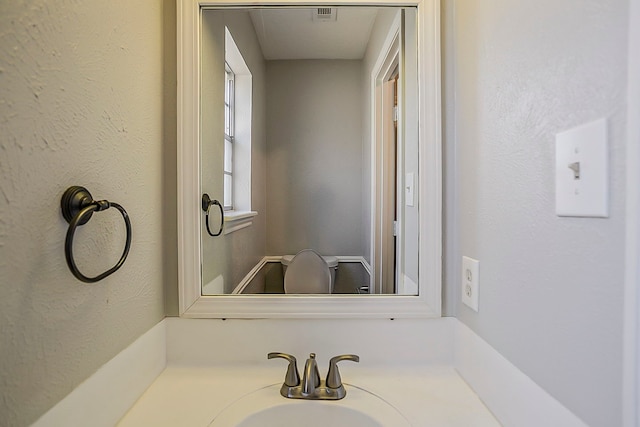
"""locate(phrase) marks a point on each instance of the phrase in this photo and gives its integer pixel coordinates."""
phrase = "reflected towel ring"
(206, 205)
(77, 208)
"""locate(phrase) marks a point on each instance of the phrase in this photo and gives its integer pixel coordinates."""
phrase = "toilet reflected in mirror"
(308, 273)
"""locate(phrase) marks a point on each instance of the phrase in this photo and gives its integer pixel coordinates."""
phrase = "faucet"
(312, 387)
(311, 376)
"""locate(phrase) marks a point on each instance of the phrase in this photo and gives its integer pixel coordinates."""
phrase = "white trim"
(430, 156)
(192, 303)
(631, 354)
(188, 153)
(109, 393)
(388, 57)
(237, 220)
(250, 275)
(231, 216)
(510, 395)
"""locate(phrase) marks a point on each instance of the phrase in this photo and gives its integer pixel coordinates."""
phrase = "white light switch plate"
(582, 171)
(409, 183)
(470, 282)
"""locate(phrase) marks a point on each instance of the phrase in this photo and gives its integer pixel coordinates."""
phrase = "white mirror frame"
(191, 301)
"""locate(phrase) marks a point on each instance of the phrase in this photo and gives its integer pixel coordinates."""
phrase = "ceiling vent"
(325, 14)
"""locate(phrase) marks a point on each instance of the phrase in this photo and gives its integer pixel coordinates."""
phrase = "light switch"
(408, 187)
(582, 171)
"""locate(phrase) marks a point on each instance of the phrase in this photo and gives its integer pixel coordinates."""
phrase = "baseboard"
(514, 398)
(107, 395)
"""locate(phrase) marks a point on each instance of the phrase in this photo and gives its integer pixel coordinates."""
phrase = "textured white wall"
(81, 103)
(551, 292)
(314, 157)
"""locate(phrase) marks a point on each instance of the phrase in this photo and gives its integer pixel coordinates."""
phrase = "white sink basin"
(266, 408)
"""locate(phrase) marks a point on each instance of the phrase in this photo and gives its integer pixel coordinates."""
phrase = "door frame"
(390, 57)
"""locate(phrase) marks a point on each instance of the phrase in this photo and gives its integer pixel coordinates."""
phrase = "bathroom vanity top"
(194, 396)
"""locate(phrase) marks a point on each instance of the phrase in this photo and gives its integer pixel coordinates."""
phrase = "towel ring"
(206, 204)
(77, 208)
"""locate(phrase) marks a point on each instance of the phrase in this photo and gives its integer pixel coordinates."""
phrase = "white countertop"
(194, 395)
(186, 372)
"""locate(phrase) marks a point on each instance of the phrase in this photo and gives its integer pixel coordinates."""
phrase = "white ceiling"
(292, 34)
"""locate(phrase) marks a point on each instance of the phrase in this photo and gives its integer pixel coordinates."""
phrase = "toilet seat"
(307, 273)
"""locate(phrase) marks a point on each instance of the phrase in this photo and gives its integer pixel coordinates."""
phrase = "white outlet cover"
(470, 282)
(582, 171)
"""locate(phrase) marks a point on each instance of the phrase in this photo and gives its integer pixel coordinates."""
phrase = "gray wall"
(314, 157)
(232, 255)
(87, 93)
(551, 291)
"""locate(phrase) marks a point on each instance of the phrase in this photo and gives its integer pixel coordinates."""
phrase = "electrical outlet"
(470, 282)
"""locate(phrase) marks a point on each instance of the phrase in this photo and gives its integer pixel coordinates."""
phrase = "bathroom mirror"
(307, 127)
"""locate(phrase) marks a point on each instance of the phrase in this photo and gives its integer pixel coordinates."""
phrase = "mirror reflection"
(309, 151)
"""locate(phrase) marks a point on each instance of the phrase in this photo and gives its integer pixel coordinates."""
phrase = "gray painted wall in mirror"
(314, 157)
(231, 255)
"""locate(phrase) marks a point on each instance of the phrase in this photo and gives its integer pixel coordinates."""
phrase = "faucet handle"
(333, 376)
(292, 378)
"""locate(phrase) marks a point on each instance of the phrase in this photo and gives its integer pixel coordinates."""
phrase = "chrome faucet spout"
(312, 387)
(311, 375)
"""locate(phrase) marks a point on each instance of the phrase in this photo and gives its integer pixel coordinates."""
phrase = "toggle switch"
(575, 167)
(582, 171)
(408, 188)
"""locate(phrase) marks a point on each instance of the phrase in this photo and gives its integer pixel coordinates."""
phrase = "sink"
(265, 407)
(309, 414)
